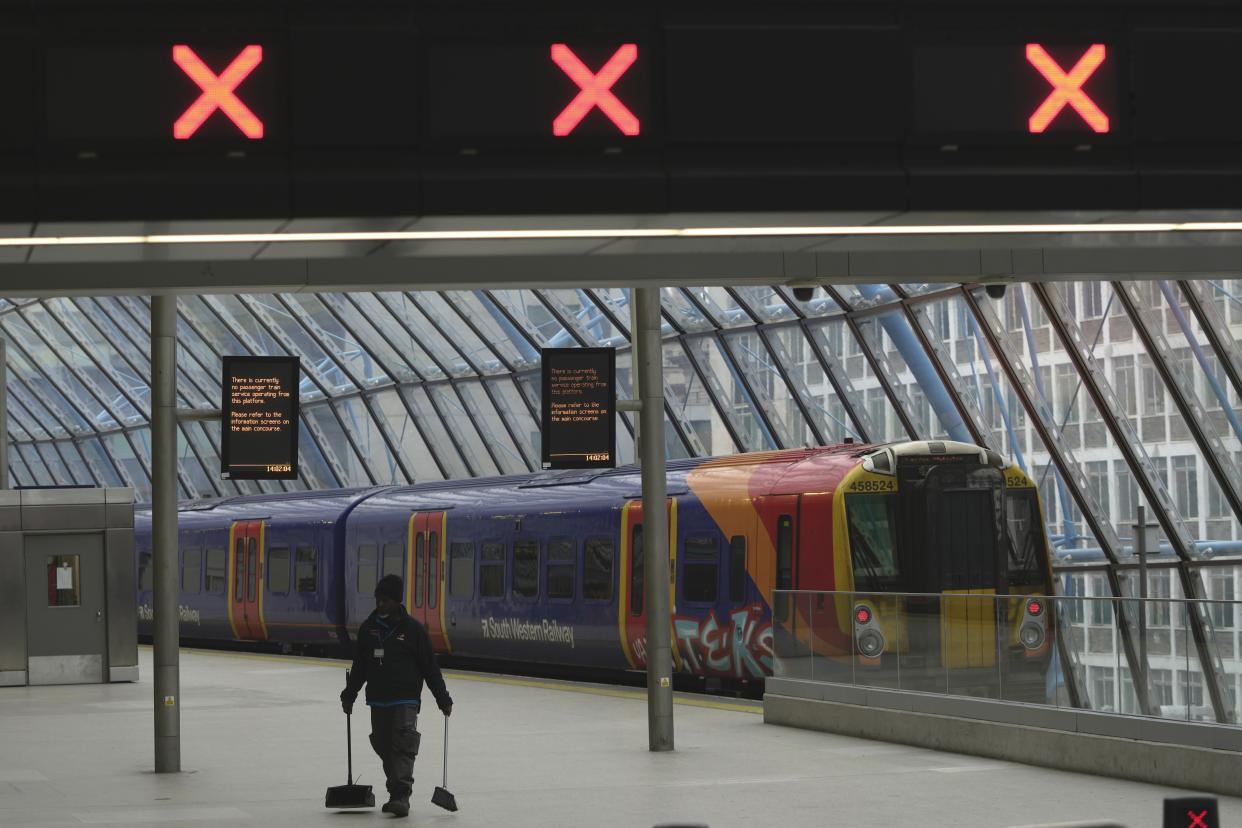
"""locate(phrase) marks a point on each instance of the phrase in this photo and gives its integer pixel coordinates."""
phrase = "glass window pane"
(278, 570)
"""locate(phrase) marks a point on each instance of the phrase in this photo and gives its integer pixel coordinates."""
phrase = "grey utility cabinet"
(68, 605)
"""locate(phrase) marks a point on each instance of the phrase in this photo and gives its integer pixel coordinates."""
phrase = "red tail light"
(862, 615)
(1034, 607)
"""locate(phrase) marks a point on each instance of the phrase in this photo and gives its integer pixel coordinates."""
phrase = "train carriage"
(791, 554)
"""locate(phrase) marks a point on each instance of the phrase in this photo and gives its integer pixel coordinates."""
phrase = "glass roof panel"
(765, 303)
(412, 318)
(336, 448)
(464, 429)
(820, 304)
(358, 363)
(406, 341)
(617, 302)
(384, 359)
(762, 382)
(499, 332)
(318, 366)
(685, 314)
(511, 406)
(590, 323)
(48, 394)
(435, 432)
(480, 357)
(720, 306)
(532, 316)
(826, 409)
(488, 420)
(35, 466)
(402, 429)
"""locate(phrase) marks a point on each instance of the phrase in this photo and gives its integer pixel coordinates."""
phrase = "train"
(796, 553)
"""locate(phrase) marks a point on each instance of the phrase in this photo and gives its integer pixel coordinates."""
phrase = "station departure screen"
(579, 408)
(259, 428)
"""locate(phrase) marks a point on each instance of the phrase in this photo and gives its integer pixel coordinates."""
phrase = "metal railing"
(1060, 651)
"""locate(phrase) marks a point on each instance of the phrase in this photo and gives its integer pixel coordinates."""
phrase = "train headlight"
(867, 635)
(1032, 636)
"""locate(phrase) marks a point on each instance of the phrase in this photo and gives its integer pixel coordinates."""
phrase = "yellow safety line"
(637, 695)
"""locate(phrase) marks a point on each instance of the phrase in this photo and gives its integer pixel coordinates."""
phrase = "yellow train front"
(936, 578)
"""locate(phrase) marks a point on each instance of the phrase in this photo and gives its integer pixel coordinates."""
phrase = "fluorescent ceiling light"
(625, 233)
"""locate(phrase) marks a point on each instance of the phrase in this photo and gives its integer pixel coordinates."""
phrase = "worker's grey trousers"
(395, 737)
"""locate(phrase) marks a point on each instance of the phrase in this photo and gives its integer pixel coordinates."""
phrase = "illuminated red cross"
(217, 92)
(1197, 819)
(596, 89)
(1067, 88)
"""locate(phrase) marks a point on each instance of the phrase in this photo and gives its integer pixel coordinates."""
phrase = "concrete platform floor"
(262, 737)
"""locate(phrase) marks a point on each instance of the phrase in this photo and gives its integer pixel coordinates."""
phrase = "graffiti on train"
(738, 647)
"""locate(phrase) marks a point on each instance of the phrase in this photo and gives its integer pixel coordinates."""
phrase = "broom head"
(444, 799)
(344, 797)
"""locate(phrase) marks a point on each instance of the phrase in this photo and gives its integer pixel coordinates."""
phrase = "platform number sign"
(579, 408)
(1191, 812)
(259, 424)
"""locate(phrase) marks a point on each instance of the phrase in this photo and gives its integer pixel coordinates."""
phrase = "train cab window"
(216, 574)
(278, 570)
(597, 562)
(784, 562)
(873, 540)
(461, 569)
(492, 570)
(636, 572)
(252, 570)
(368, 562)
(433, 570)
(1023, 538)
(394, 559)
(306, 569)
(737, 569)
(239, 570)
(525, 569)
(420, 553)
(700, 569)
(562, 568)
(191, 570)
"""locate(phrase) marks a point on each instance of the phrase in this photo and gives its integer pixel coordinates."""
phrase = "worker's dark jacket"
(408, 660)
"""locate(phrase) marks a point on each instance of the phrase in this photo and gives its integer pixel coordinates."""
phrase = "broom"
(349, 795)
(441, 796)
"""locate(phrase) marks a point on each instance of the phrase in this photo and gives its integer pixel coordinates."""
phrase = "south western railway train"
(547, 568)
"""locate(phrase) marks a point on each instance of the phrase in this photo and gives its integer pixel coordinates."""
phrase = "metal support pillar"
(650, 369)
(164, 533)
(4, 416)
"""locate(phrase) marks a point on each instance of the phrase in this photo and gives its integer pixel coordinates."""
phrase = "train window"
(492, 570)
(461, 569)
(1024, 538)
(394, 559)
(525, 569)
(433, 570)
(419, 554)
(562, 568)
(784, 562)
(191, 570)
(145, 576)
(368, 560)
(252, 569)
(597, 558)
(216, 575)
(278, 570)
(636, 571)
(700, 569)
(306, 569)
(737, 569)
(873, 540)
(239, 569)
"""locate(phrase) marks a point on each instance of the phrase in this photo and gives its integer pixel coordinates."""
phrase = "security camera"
(995, 291)
(804, 293)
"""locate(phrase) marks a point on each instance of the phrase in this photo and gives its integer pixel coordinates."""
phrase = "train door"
(425, 589)
(246, 581)
(632, 597)
(780, 520)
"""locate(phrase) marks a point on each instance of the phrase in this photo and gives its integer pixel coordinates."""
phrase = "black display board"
(579, 408)
(259, 428)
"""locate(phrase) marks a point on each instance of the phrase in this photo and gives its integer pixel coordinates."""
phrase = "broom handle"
(349, 750)
(446, 751)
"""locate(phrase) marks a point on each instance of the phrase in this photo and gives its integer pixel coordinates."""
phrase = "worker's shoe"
(397, 807)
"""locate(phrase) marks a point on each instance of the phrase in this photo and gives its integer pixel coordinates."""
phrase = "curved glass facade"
(1111, 395)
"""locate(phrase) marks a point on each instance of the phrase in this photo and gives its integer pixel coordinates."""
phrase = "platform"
(262, 737)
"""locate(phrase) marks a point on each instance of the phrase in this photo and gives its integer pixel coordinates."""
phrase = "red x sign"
(1067, 88)
(596, 89)
(217, 92)
(1196, 820)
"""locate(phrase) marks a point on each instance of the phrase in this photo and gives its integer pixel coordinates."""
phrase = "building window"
(1124, 384)
(1078, 587)
(1067, 393)
(278, 570)
(525, 569)
(1186, 486)
(1097, 482)
(306, 569)
(1102, 688)
(1127, 492)
(597, 563)
(562, 568)
(191, 570)
(1153, 388)
(461, 569)
(1162, 687)
(1158, 587)
(492, 570)
(1092, 300)
(1222, 590)
(700, 569)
